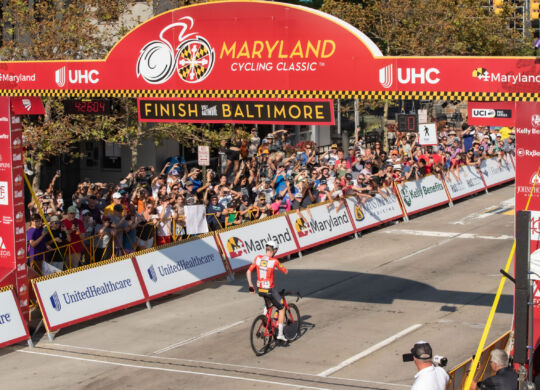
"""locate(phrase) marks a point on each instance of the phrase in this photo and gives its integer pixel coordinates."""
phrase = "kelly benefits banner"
(422, 194)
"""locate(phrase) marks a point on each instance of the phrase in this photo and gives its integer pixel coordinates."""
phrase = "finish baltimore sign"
(265, 50)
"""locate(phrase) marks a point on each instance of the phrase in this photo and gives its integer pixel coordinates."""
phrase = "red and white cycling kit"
(265, 270)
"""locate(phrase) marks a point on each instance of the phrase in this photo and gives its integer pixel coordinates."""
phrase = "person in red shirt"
(75, 234)
(265, 265)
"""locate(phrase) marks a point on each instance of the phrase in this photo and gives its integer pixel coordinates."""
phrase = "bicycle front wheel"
(260, 338)
(293, 321)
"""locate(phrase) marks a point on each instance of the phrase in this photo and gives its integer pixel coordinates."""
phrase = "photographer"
(429, 376)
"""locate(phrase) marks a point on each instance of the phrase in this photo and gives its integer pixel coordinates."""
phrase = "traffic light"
(535, 9)
(498, 6)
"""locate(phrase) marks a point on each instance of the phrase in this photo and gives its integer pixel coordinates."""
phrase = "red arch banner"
(266, 49)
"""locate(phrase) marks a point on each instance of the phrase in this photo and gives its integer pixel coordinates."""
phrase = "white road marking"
(370, 350)
(429, 233)
(228, 365)
(174, 370)
(192, 339)
(487, 212)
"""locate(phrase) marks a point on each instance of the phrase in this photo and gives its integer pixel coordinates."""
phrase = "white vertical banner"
(12, 327)
(427, 134)
(203, 155)
(195, 219)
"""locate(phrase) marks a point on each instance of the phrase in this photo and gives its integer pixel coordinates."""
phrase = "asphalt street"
(365, 302)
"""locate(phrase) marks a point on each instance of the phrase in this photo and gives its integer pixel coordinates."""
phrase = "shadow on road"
(375, 288)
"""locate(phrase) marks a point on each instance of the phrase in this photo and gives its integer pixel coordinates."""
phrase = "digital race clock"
(88, 107)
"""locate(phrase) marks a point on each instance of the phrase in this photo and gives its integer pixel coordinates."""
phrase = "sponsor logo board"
(375, 210)
(424, 193)
(495, 172)
(12, 328)
(243, 244)
(80, 295)
(4, 193)
(408, 76)
(181, 265)
(467, 182)
(321, 223)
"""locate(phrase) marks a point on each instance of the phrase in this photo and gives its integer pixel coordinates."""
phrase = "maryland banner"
(266, 52)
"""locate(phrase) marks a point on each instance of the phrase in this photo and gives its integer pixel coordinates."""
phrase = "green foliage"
(434, 27)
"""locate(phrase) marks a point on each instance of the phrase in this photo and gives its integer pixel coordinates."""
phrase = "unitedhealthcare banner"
(180, 266)
(374, 211)
(422, 194)
(319, 224)
(468, 181)
(497, 172)
(12, 327)
(75, 297)
(242, 244)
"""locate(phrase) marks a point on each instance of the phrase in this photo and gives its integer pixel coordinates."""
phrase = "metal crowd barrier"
(458, 375)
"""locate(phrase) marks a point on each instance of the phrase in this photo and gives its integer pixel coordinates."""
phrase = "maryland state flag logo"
(358, 214)
(235, 247)
(302, 227)
(481, 73)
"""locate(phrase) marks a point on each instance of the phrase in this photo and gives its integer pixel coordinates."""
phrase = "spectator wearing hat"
(75, 233)
(59, 240)
(116, 200)
(428, 377)
(262, 207)
(35, 236)
(505, 377)
(214, 214)
(330, 155)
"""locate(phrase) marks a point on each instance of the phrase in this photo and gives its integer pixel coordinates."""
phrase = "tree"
(59, 30)
(434, 27)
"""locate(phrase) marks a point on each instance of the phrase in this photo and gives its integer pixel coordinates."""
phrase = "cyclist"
(265, 265)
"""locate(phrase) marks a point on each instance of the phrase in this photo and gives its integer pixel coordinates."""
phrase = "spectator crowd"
(254, 178)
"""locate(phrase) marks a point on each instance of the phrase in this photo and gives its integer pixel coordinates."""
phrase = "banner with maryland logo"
(242, 244)
(180, 266)
(495, 171)
(266, 51)
(317, 225)
(422, 194)
(465, 182)
(375, 210)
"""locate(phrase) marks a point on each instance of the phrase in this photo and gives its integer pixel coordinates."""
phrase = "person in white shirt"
(428, 377)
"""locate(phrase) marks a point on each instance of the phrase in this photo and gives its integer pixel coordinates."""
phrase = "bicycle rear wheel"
(259, 337)
(293, 321)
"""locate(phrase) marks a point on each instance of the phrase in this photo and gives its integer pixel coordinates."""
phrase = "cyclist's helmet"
(272, 244)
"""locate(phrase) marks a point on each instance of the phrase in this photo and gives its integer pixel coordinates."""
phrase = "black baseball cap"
(422, 350)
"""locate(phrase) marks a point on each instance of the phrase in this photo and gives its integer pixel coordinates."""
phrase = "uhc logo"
(408, 76)
(236, 247)
(55, 302)
(152, 273)
(302, 227)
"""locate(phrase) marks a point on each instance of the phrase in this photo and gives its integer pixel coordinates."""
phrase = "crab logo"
(302, 227)
(535, 120)
(193, 58)
(358, 214)
(236, 247)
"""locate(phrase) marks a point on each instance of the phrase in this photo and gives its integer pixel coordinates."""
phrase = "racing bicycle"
(264, 329)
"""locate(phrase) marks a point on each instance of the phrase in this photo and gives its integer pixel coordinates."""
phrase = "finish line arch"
(272, 50)
(259, 50)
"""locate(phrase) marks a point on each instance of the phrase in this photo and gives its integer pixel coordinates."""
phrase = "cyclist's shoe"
(282, 338)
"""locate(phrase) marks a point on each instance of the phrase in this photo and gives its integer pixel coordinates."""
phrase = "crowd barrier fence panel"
(425, 193)
(321, 223)
(242, 243)
(497, 172)
(458, 374)
(374, 211)
(181, 265)
(468, 181)
(13, 328)
(88, 292)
